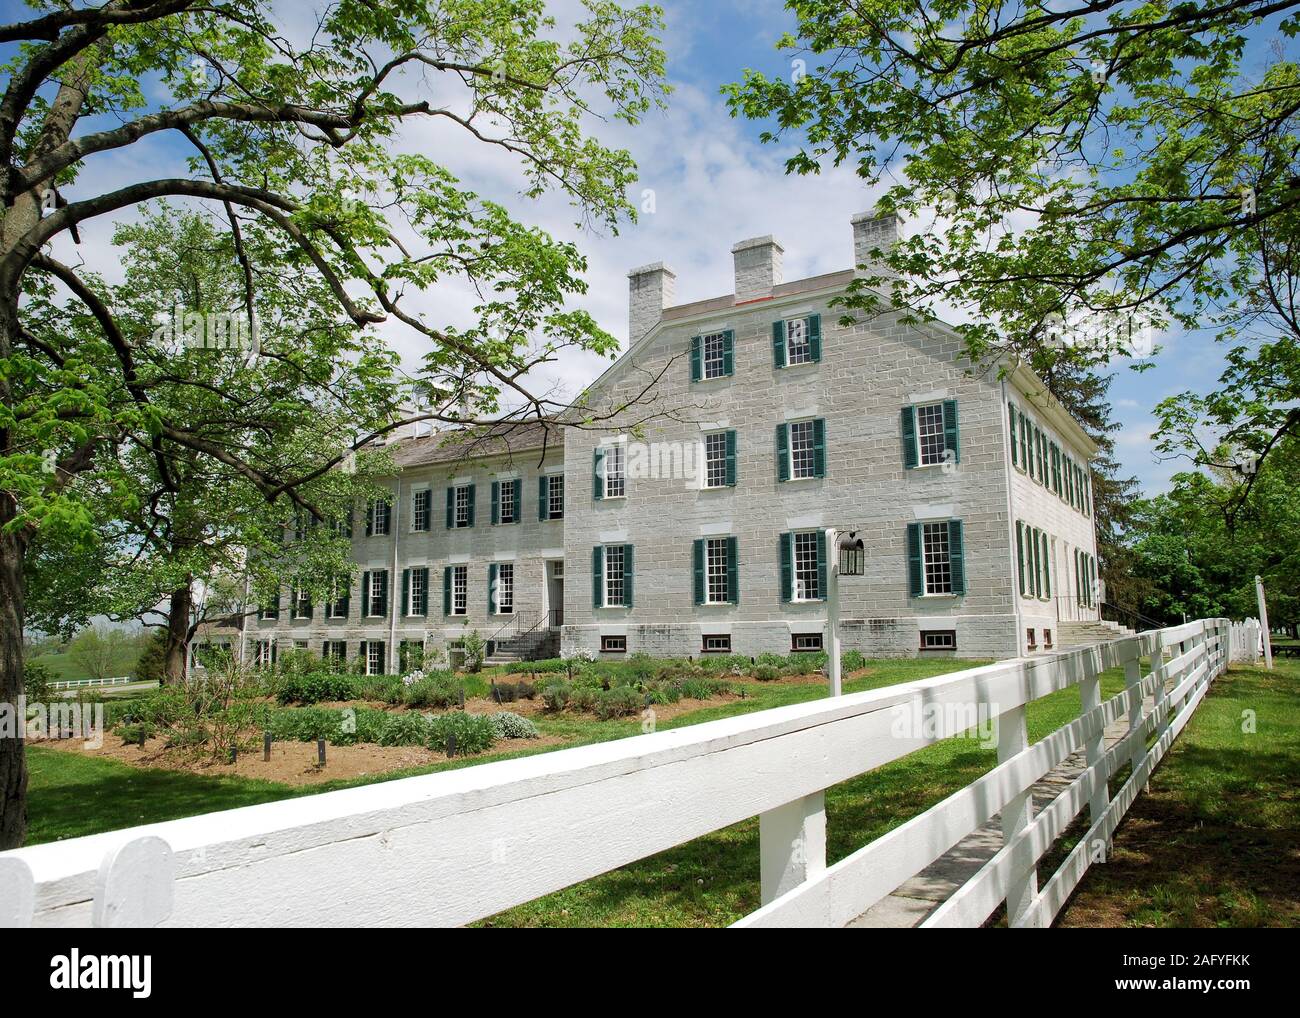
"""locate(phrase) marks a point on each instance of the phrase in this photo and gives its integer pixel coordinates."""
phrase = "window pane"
(715, 566)
(715, 460)
(714, 354)
(806, 580)
(802, 459)
(459, 590)
(615, 485)
(797, 348)
(614, 574)
(929, 433)
(555, 489)
(938, 569)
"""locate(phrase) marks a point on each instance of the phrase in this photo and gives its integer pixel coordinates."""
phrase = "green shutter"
(470, 520)
(383, 592)
(698, 551)
(492, 588)
(1037, 558)
(778, 344)
(519, 500)
(821, 565)
(496, 502)
(731, 458)
(543, 497)
(1011, 426)
(597, 576)
(446, 590)
(786, 544)
(423, 572)
(365, 595)
(956, 557)
(1024, 443)
(728, 353)
(370, 519)
(909, 437)
(819, 447)
(815, 337)
(1020, 555)
(951, 442)
(783, 452)
(451, 507)
(733, 570)
(598, 472)
(696, 359)
(915, 574)
(629, 572)
(1047, 569)
(406, 592)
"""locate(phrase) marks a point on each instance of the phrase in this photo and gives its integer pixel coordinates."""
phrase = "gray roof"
(505, 438)
(841, 278)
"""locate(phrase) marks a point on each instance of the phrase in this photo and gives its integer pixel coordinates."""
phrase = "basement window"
(718, 644)
(1047, 639)
(939, 639)
(613, 644)
(1032, 640)
(805, 641)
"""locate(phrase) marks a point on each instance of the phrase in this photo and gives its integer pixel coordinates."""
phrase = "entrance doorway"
(555, 593)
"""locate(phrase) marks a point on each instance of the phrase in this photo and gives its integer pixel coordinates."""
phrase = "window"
(719, 459)
(374, 590)
(420, 504)
(929, 433)
(613, 644)
(335, 654)
(505, 501)
(614, 575)
(264, 653)
(374, 657)
(343, 525)
(716, 589)
(410, 655)
(501, 583)
(299, 644)
(462, 517)
(377, 518)
(459, 590)
(270, 610)
(807, 572)
(337, 606)
(805, 641)
(939, 639)
(553, 497)
(797, 348)
(1047, 639)
(715, 355)
(1031, 641)
(301, 604)
(612, 459)
(718, 643)
(417, 591)
(938, 566)
(802, 454)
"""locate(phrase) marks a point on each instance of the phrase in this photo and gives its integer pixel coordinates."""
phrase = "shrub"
(474, 732)
(852, 661)
(382, 688)
(315, 687)
(407, 729)
(555, 696)
(135, 733)
(36, 682)
(474, 648)
(439, 690)
(582, 697)
(700, 689)
(526, 690)
(545, 665)
(504, 692)
(621, 701)
(511, 726)
(766, 673)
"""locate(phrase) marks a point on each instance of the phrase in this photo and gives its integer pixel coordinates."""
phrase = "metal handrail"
(517, 624)
(1138, 621)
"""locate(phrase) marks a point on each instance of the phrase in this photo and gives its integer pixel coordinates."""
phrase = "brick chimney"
(873, 230)
(758, 267)
(649, 290)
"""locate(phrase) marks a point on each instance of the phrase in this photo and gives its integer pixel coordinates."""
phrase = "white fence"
(64, 684)
(1246, 641)
(448, 848)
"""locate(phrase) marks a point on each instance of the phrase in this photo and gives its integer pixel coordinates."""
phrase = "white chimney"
(758, 267)
(649, 290)
(873, 230)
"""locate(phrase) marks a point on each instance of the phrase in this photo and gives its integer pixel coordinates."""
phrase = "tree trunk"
(13, 759)
(178, 631)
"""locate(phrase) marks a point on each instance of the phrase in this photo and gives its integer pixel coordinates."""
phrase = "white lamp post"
(848, 558)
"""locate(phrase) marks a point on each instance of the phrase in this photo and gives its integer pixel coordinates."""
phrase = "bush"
(700, 689)
(526, 690)
(582, 697)
(619, 702)
(36, 682)
(439, 690)
(406, 729)
(380, 688)
(135, 733)
(766, 673)
(512, 726)
(474, 732)
(556, 696)
(315, 687)
(542, 667)
(474, 648)
(504, 692)
(852, 661)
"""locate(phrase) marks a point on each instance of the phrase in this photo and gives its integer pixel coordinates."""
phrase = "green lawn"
(1216, 842)
(64, 666)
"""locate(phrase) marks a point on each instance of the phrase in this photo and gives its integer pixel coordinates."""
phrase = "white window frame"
(412, 578)
(939, 636)
(421, 517)
(372, 666)
(795, 638)
(811, 424)
(555, 497)
(297, 611)
(262, 653)
(505, 586)
(719, 362)
(718, 439)
(931, 438)
(460, 507)
(374, 589)
(797, 337)
(460, 590)
(615, 480)
(721, 641)
(504, 486)
(716, 570)
(377, 507)
(940, 532)
(611, 579)
(806, 541)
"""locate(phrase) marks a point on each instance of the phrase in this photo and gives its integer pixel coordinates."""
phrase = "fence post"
(791, 845)
(1013, 737)
(136, 885)
(1090, 691)
(17, 894)
(1133, 683)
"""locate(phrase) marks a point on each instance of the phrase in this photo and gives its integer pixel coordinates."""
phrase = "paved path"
(916, 898)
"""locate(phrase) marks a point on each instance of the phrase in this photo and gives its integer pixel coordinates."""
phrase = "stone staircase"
(532, 646)
(1078, 634)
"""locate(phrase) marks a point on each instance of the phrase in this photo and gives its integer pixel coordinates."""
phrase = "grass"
(64, 667)
(1214, 842)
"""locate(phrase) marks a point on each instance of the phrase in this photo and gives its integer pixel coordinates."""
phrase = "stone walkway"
(916, 898)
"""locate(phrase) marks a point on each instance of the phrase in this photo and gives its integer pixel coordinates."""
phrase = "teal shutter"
(598, 473)
(956, 557)
(496, 502)
(909, 437)
(492, 588)
(699, 571)
(1020, 555)
(1038, 563)
(365, 595)
(519, 500)
(915, 574)
(951, 442)
(1047, 569)
(446, 590)
(451, 507)
(597, 576)
(1011, 425)
(543, 497)
(815, 337)
(470, 520)
(731, 458)
(406, 592)
(733, 570)
(422, 574)
(778, 344)
(629, 573)
(821, 565)
(1024, 443)
(728, 353)
(819, 447)
(697, 365)
(783, 452)
(370, 519)
(383, 592)
(785, 543)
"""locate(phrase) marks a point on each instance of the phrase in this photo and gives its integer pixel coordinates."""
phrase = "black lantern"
(853, 556)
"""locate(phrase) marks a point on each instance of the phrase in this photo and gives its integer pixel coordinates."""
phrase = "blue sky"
(711, 183)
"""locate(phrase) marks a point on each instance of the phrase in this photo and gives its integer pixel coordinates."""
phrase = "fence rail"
(449, 848)
(118, 680)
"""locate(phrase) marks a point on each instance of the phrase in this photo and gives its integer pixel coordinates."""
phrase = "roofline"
(1034, 389)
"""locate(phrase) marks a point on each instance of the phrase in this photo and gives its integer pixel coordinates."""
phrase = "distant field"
(64, 666)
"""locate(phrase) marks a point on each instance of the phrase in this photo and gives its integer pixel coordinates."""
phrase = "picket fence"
(448, 848)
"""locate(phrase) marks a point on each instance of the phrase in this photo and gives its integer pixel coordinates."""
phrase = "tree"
(1094, 171)
(98, 650)
(304, 139)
